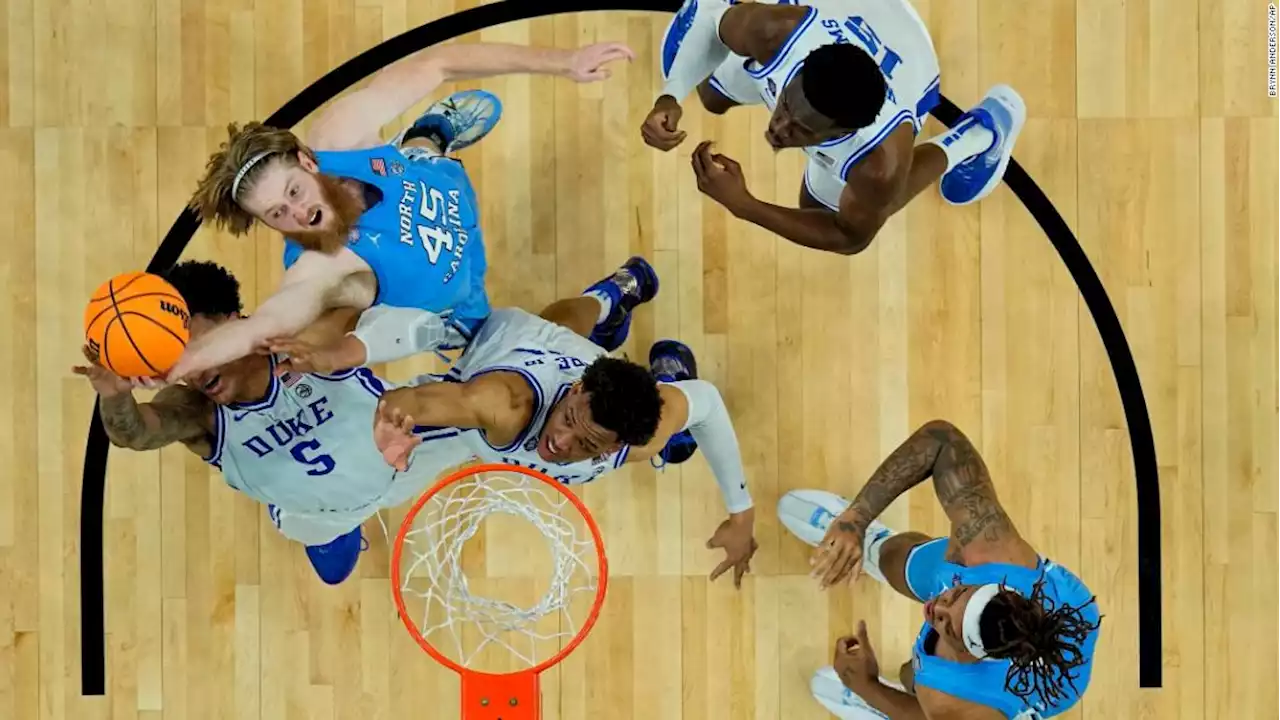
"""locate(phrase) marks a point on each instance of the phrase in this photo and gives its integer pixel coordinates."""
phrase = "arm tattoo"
(906, 467)
(122, 418)
(960, 479)
(176, 414)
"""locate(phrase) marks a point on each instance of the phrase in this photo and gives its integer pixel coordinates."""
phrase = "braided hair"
(1041, 639)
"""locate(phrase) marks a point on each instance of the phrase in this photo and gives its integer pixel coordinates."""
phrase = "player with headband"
(1007, 633)
(367, 222)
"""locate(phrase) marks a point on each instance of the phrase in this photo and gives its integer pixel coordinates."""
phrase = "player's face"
(570, 434)
(242, 380)
(299, 201)
(946, 614)
(795, 124)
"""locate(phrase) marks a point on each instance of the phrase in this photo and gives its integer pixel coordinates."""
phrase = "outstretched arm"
(378, 335)
(980, 529)
(496, 402)
(696, 406)
(354, 120)
(176, 414)
(313, 284)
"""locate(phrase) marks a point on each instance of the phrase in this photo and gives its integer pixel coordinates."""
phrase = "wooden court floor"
(1150, 130)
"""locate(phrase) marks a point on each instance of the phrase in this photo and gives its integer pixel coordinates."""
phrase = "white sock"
(963, 142)
(606, 304)
(877, 535)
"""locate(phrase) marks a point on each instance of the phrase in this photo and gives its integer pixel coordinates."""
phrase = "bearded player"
(369, 222)
(301, 444)
(1007, 633)
(848, 81)
(541, 392)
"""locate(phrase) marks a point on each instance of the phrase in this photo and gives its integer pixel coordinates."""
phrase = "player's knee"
(712, 101)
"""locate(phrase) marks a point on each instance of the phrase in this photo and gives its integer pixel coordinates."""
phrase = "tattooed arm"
(175, 414)
(980, 529)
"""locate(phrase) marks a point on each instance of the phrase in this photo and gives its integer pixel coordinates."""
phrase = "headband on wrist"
(971, 629)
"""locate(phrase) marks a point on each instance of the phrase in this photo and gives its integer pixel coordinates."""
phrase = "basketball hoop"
(435, 600)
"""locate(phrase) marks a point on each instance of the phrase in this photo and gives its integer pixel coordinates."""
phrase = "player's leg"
(822, 188)
(978, 147)
(332, 546)
(903, 560)
(453, 123)
(673, 361)
(602, 313)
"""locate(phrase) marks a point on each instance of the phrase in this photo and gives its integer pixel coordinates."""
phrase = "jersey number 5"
(433, 236)
(324, 464)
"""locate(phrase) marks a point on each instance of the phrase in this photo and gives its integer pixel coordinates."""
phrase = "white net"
(477, 539)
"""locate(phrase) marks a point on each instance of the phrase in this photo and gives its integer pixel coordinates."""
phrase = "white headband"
(244, 170)
(971, 632)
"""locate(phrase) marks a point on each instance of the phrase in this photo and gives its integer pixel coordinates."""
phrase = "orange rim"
(601, 584)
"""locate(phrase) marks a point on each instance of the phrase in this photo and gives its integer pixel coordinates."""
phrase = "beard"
(345, 206)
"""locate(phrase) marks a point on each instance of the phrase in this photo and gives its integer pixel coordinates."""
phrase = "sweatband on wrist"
(391, 333)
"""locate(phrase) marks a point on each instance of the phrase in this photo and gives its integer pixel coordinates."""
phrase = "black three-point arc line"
(93, 642)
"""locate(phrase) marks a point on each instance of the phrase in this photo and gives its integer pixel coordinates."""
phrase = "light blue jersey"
(983, 682)
(422, 235)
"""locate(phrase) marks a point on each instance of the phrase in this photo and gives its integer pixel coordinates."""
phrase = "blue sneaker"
(673, 361)
(335, 560)
(1002, 112)
(457, 121)
(633, 284)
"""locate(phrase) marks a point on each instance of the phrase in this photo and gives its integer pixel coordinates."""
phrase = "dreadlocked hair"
(213, 198)
(1040, 638)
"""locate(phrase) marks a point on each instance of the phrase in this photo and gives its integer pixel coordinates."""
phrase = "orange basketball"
(138, 324)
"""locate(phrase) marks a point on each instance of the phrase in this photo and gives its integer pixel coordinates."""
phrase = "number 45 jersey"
(421, 232)
(307, 446)
(891, 32)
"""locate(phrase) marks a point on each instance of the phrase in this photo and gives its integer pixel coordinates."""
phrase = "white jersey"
(307, 447)
(891, 32)
(550, 358)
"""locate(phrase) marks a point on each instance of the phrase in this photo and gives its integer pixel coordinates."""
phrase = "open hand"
(839, 556)
(661, 128)
(393, 432)
(587, 64)
(737, 536)
(719, 178)
(107, 383)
